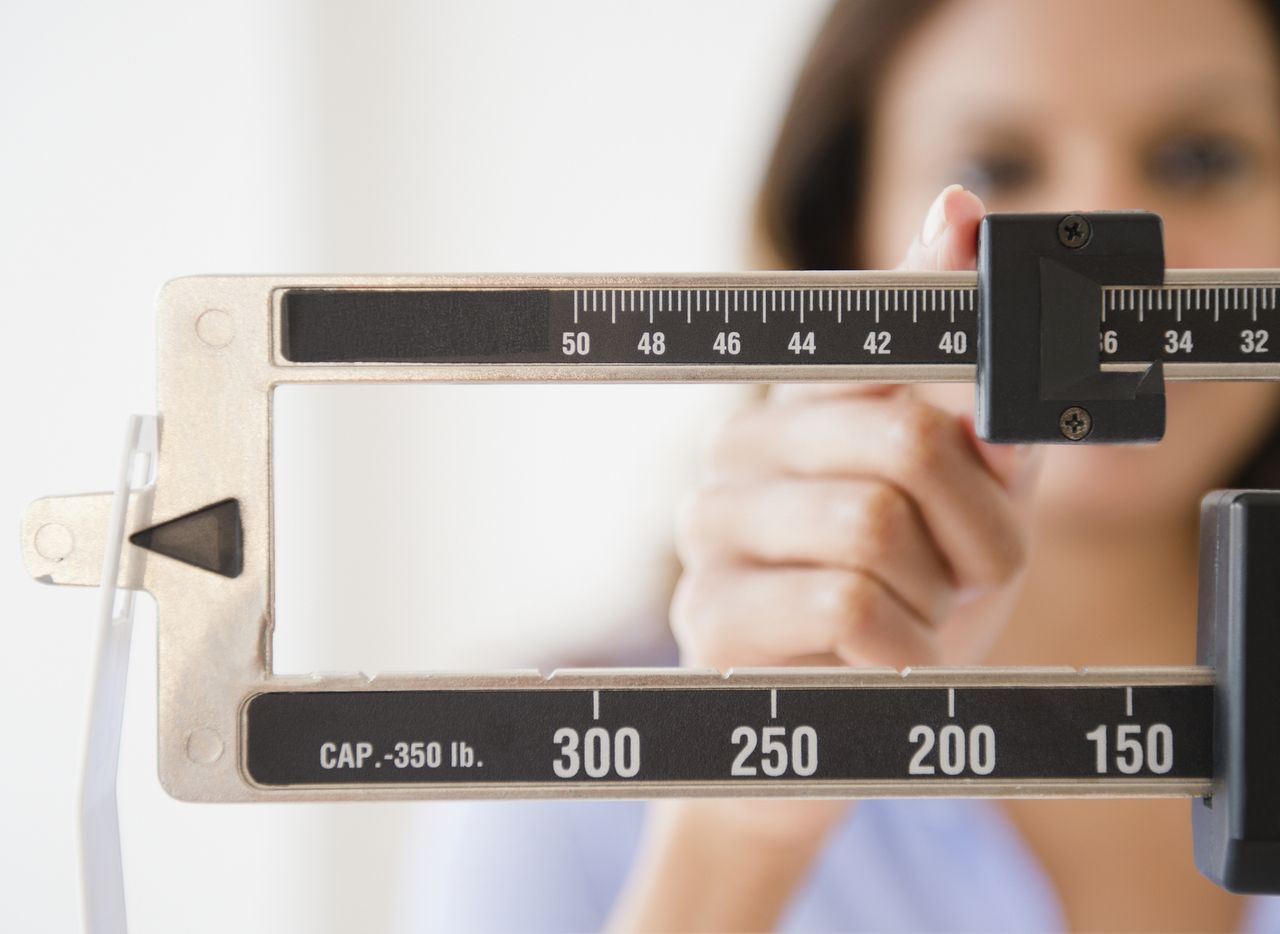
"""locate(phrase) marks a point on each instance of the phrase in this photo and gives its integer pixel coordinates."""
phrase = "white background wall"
(146, 140)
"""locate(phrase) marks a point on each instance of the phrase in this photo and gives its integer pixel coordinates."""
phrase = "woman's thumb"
(948, 240)
(1014, 465)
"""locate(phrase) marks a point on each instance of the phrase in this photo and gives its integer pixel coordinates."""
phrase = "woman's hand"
(853, 523)
(849, 524)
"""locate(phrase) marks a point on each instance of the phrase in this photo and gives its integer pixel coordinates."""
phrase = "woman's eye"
(992, 175)
(1194, 164)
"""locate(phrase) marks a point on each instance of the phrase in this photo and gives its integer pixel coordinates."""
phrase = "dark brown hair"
(810, 198)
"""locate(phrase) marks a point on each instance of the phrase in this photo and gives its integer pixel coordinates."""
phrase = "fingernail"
(935, 222)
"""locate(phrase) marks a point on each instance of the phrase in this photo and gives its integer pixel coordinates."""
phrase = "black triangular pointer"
(209, 538)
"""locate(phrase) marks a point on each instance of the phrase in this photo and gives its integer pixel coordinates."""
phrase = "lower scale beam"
(978, 732)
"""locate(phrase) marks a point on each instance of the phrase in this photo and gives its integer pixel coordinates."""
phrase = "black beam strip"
(732, 734)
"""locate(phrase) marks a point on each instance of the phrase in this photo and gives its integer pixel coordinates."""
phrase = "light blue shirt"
(891, 865)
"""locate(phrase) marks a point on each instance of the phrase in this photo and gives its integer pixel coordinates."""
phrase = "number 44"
(802, 343)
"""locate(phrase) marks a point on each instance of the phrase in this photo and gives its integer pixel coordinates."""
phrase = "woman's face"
(1170, 106)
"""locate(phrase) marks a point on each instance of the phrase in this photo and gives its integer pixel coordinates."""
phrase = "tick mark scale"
(836, 732)
(1201, 323)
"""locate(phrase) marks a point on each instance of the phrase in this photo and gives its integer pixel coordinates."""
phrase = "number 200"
(977, 750)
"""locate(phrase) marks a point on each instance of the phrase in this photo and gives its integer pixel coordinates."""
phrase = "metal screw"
(1074, 423)
(1074, 231)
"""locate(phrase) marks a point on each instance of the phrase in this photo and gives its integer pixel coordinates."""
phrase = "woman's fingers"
(798, 392)
(729, 615)
(857, 525)
(948, 239)
(919, 448)
(947, 242)
(1014, 465)
(842, 521)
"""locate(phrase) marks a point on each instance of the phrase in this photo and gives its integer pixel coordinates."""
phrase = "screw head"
(1074, 231)
(1074, 423)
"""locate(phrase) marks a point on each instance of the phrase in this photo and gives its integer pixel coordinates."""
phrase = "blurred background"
(516, 525)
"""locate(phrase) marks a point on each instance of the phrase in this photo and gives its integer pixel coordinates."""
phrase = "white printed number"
(954, 342)
(773, 759)
(596, 752)
(956, 750)
(1253, 341)
(575, 343)
(417, 755)
(877, 342)
(804, 343)
(1108, 342)
(727, 343)
(1177, 342)
(1128, 755)
(654, 343)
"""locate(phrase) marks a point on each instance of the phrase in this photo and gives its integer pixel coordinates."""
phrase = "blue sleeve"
(516, 865)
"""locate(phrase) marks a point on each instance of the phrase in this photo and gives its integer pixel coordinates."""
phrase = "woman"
(866, 525)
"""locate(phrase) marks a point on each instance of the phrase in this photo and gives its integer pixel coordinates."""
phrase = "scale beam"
(1023, 328)
(743, 327)
(824, 733)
